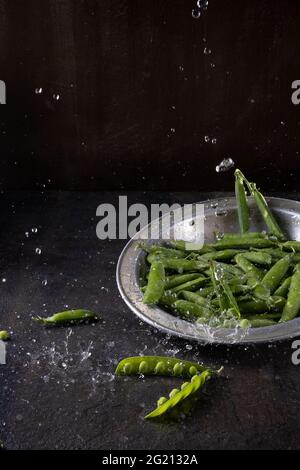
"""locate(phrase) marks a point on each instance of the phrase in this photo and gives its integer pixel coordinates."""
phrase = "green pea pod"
(69, 316)
(260, 323)
(189, 390)
(190, 310)
(156, 283)
(251, 307)
(4, 335)
(178, 279)
(265, 316)
(292, 306)
(291, 246)
(161, 366)
(242, 204)
(243, 243)
(283, 289)
(258, 257)
(162, 251)
(220, 255)
(254, 274)
(216, 275)
(187, 246)
(273, 277)
(191, 285)
(194, 297)
(168, 298)
(264, 209)
(235, 235)
(182, 265)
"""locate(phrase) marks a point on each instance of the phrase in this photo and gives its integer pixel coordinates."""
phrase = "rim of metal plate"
(132, 259)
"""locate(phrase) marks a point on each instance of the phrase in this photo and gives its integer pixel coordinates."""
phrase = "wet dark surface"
(58, 389)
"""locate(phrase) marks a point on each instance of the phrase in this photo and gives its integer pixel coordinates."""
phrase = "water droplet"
(214, 141)
(38, 91)
(56, 96)
(38, 251)
(202, 4)
(196, 13)
(221, 213)
(206, 138)
(172, 130)
(44, 282)
(225, 165)
(34, 230)
(3, 279)
(207, 51)
(26, 234)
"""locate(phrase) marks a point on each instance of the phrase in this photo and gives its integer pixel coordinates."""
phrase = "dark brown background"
(129, 71)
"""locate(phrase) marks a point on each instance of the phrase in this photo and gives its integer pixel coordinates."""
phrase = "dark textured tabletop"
(58, 389)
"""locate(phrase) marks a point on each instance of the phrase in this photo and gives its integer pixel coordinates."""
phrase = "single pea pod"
(243, 243)
(291, 245)
(258, 257)
(188, 246)
(182, 265)
(178, 279)
(194, 297)
(265, 316)
(236, 235)
(191, 285)
(283, 289)
(292, 306)
(254, 274)
(66, 317)
(161, 366)
(156, 283)
(4, 335)
(223, 255)
(273, 278)
(162, 251)
(190, 310)
(179, 397)
(251, 307)
(242, 203)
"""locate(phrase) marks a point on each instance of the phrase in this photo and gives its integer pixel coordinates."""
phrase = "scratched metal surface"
(58, 389)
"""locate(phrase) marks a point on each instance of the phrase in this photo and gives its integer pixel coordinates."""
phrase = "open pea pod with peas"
(224, 282)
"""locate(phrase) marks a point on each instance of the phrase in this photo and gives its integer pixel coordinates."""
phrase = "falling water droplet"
(225, 165)
(207, 51)
(38, 91)
(34, 230)
(3, 279)
(206, 138)
(196, 13)
(202, 4)
(44, 282)
(214, 140)
(38, 251)
(56, 96)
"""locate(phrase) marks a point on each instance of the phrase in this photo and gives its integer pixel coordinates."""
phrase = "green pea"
(173, 392)
(244, 324)
(177, 369)
(161, 401)
(143, 367)
(160, 368)
(4, 335)
(193, 370)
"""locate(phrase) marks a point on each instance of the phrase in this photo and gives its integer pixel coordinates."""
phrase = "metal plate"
(220, 215)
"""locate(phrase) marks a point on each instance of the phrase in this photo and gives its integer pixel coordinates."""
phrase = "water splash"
(225, 165)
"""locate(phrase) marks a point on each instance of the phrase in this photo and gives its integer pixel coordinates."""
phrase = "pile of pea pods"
(245, 280)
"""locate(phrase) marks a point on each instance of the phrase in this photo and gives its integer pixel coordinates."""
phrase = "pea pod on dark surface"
(156, 283)
(220, 255)
(292, 306)
(179, 397)
(67, 317)
(160, 366)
